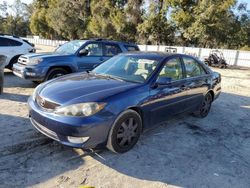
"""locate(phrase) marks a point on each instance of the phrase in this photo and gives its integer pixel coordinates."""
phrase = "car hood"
(45, 55)
(82, 87)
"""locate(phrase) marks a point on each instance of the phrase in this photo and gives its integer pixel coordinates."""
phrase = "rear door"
(94, 57)
(196, 81)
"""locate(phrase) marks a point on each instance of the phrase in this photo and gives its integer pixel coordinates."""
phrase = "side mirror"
(83, 52)
(163, 80)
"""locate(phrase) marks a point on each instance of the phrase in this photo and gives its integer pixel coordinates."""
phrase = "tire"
(54, 73)
(36, 82)
(125, 132)
(205, 107)
(12, 62)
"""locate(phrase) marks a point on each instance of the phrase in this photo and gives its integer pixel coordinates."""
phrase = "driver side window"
(172, 69)
(94, 49)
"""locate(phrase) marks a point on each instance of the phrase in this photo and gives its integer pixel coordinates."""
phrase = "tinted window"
(131, 48)
(3, 42)
(9, 42)
(111, 50)
(14, 43)
(172, 69)
(95, 49)
(192, 67)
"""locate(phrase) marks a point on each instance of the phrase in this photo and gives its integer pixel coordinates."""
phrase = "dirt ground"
(183, 152)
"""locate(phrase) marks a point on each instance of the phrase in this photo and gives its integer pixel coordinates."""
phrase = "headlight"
(81, 109)
(35, 61)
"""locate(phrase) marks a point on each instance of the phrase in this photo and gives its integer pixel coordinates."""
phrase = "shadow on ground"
(190, 152)
(12, 81)
(28, 157)
(184, 151)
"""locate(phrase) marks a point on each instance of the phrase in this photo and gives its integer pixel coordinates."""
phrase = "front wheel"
(55, 72)
(125, 132)
(205, 107)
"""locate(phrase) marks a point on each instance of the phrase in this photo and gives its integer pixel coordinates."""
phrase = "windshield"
(128, 68)
(70, 47)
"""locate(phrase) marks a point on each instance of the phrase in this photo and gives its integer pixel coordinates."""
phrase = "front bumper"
(95, 127)
(33, 73)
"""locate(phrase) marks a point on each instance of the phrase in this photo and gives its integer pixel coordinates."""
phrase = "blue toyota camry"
(113, 104)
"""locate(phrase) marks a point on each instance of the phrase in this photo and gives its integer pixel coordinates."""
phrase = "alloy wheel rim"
(206, 105)
(127, 132)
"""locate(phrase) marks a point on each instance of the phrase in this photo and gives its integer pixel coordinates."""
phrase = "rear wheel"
(125, 132)
(54, 73)
(205, 107)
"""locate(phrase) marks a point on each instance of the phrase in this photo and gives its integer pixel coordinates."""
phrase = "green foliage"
(15, 23)
(201, 23)
(156, 29)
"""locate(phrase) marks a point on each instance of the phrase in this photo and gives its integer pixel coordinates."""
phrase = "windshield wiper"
(112, 77)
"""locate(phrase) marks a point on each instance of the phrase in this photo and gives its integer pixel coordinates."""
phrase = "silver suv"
(13, 47)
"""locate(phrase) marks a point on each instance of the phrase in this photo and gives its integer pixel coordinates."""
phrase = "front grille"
(45, 103)
(23, 60)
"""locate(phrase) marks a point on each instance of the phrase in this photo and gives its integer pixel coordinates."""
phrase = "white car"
(13, 47)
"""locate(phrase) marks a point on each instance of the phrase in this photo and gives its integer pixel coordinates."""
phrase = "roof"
(149, 54)
(108, 40)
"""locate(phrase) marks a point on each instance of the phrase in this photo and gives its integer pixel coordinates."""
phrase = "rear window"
(131, 48)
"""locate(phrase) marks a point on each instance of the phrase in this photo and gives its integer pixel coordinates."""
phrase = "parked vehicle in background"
(13, 47)
(73, 56)
(131, 92)
(216, 59)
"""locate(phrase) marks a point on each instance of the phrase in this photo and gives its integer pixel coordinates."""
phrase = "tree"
(156, 29)
(69, 18)
(17, 20)
(212, 21)
(38, 20)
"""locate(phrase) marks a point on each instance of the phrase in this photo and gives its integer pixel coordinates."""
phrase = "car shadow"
(192, 152)
(184, 151)
(27, 157)
(14, 97)
(10, 81)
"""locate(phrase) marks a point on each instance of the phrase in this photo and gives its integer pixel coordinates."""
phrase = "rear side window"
(111, 50)
(131, 48)
(9, 42)
(3, 42)
(14, 43)
(193, 68)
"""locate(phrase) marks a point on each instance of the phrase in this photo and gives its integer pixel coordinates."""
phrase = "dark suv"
(73, 56)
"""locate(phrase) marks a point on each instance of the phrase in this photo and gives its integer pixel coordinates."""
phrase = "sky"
(24, 1)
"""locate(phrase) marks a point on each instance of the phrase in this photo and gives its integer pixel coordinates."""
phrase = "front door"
(93, 58)
(168, 99)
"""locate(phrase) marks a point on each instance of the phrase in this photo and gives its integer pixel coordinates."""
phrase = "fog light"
(30, 73)
(77, 140)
